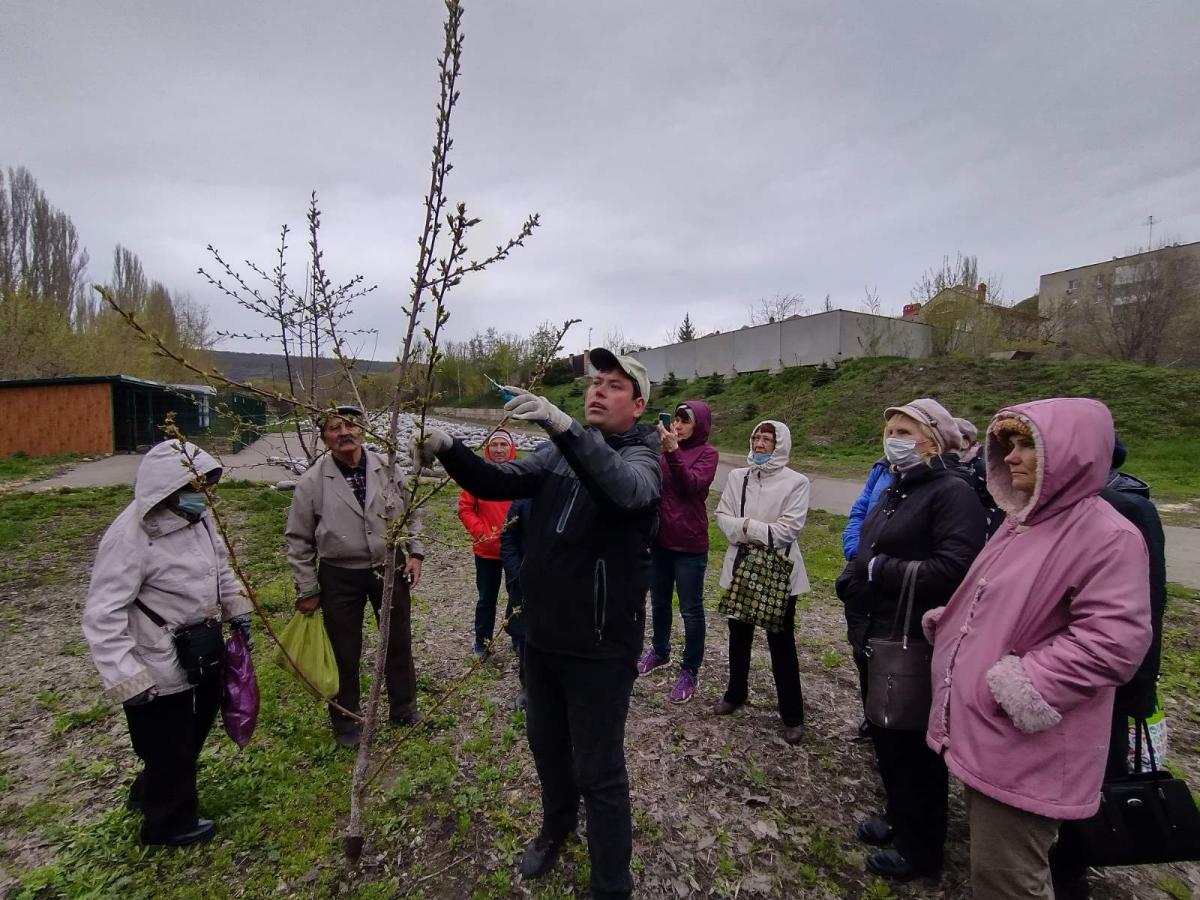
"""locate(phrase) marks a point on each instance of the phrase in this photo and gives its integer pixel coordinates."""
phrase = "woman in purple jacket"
(1052, 616)
(680, 553)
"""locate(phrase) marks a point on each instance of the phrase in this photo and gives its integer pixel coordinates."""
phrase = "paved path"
(833, 495)
(121, 468)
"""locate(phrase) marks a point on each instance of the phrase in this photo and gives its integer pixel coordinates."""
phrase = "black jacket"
(976, 470)
(587, 539)
(512, 541)
(929, 514)
(1131, 498)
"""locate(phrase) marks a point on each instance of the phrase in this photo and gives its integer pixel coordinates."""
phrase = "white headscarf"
(783, 448)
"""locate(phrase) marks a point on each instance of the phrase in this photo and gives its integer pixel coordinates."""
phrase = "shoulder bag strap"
(908, 594)
(150, 614)
(1143, 727)
(216, 562)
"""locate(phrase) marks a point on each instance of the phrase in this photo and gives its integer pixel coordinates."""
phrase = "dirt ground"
(723, 806)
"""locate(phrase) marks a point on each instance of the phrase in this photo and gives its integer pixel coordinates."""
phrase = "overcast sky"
(684, 156)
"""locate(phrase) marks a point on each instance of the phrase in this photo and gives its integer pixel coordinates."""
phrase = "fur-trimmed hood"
(1074, 441)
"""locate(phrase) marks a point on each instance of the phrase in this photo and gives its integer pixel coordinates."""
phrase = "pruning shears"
(504, 395)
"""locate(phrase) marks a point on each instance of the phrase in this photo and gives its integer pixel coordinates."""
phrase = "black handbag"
(1144, 817)
(899, 691)
(200, 648)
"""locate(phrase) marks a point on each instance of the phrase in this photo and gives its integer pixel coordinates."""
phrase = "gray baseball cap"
(605, 360)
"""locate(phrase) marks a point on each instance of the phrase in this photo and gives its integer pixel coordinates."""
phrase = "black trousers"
(917, 786)
(576, 727)
(167, 734)
(488, 574)
(785, 666)
(344, 596)
(515, 623)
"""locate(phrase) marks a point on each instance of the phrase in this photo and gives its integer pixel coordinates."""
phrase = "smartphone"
(504, 395)
(664, 419)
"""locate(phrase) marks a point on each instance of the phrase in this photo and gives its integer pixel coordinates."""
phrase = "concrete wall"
(803, 341)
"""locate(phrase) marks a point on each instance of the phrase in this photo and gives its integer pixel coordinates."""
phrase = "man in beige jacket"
(336, 547)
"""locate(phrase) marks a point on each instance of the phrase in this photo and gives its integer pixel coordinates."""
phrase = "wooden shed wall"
(47, 419)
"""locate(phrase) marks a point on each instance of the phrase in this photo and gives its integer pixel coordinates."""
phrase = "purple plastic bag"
(239, 700)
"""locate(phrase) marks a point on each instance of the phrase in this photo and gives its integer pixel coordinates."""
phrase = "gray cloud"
(685, 157)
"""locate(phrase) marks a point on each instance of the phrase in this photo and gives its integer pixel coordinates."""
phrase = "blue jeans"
(488, 573)
(671, 572)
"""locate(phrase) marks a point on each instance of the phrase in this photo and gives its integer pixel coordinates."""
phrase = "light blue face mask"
(193, 502)
(760, 458)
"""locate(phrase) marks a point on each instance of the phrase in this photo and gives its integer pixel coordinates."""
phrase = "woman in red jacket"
(484, 520)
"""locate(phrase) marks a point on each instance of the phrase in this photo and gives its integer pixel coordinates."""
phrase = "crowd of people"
(1003, 602)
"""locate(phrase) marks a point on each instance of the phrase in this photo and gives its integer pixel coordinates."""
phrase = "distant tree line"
(52, 323)
(464, 368)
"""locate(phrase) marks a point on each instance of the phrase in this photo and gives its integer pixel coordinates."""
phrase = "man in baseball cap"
(603, 360)
(595, 492)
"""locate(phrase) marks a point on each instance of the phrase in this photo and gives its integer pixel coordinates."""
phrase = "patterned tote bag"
(758, 590)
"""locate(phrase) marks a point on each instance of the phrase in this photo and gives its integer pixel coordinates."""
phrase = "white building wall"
(802, 341)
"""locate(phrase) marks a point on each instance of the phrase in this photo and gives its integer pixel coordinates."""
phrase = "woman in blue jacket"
(878, 480)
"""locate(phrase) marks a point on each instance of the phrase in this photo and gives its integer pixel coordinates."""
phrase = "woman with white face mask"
(929, 514)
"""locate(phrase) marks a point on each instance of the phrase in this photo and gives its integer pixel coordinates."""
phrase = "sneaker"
(521, 700)
(685, 687)
(650, 662)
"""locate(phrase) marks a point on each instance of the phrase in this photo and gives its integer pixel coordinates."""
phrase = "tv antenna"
(1150, 240)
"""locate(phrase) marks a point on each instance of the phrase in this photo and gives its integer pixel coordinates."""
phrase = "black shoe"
(348, 739)
(874, 830)
(520, 701)
(408, 717)
(793, 734)
(137, 793)
(202, 831)
(890, 863)
(864, 729)
(724, 708)
(539, 857)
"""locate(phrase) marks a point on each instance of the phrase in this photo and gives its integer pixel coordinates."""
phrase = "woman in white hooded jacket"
(163, 554)
(776, 505)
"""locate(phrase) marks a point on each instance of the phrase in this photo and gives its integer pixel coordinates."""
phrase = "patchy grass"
(42, 534)
(20, 468)
(722, 807)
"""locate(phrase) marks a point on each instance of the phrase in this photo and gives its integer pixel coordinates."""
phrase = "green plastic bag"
(307, 643)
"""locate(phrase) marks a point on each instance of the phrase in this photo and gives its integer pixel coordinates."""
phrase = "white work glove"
(531, 408)
(424, 452)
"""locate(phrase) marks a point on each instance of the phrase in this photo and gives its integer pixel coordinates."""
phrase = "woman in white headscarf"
(766, 499)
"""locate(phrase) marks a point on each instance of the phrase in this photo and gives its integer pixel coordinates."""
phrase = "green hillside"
(836, 416)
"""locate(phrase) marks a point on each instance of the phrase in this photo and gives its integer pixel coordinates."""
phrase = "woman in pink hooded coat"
(1053, 615)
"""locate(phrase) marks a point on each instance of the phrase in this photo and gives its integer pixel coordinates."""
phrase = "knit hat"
(1005, 428)
(967, 429)
(933, 416)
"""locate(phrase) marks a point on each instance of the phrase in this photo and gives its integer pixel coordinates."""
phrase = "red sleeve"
(468, 514)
